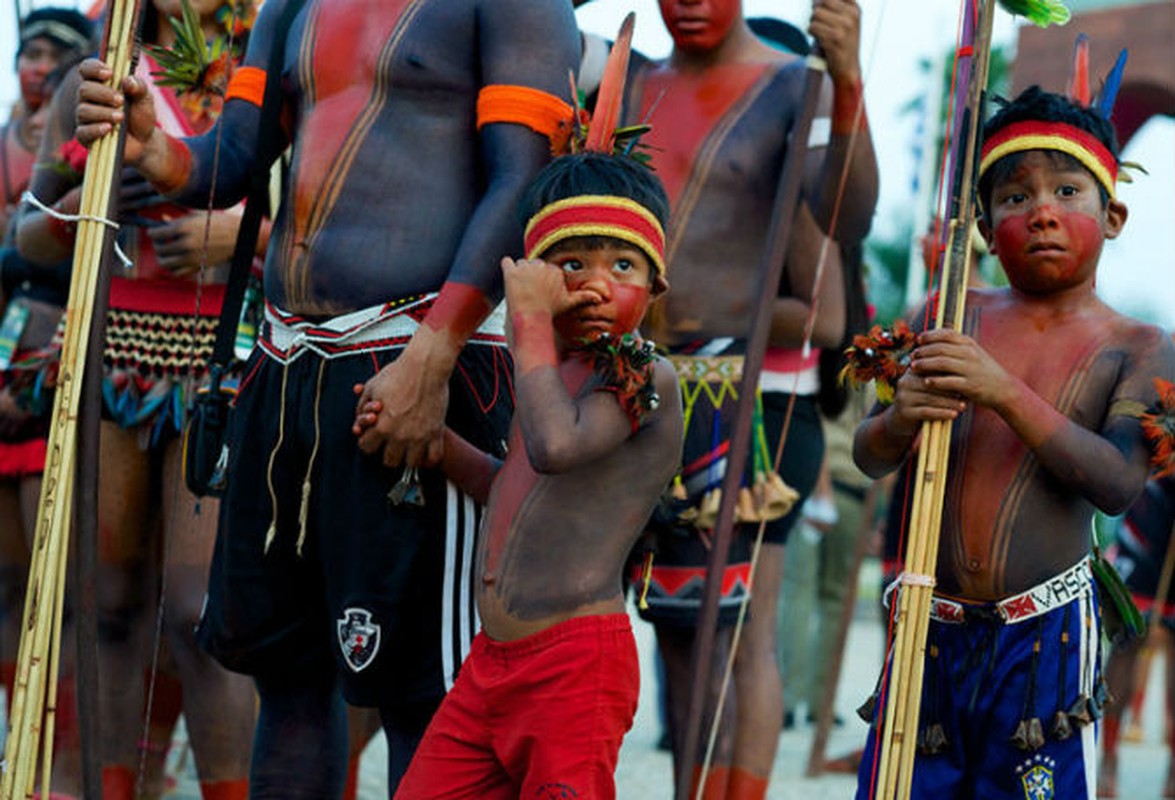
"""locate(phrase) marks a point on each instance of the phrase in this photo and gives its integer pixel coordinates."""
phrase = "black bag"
(206, 449)
(205, 454)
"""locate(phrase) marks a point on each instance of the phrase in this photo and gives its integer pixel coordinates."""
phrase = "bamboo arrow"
(903, 689)
(31, 718)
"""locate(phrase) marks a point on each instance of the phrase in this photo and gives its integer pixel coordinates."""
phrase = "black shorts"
(381, 589)
(803, 453)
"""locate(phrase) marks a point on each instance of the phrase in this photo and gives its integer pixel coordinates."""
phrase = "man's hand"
(100, 108)
(836, 25)
(180, 244)
(409, 398)
(534, 285)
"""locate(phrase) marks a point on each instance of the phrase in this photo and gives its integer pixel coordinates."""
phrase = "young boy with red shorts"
(550, 687)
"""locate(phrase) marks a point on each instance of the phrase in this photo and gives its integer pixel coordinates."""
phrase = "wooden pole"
(34, 694)
(903, 689)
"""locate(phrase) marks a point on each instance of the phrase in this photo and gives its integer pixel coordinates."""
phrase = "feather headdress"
(598, 132)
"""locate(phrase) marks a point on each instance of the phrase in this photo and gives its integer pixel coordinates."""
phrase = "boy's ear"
(660, 285)
(1116, 214)
(985, 230)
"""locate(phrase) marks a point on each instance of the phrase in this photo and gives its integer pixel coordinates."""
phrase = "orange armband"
(543, 113)
(248, 84)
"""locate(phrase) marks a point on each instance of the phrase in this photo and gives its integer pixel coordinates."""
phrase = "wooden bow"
(33, 706)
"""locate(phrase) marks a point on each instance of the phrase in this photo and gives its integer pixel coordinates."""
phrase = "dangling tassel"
(708, 510)
(1029, 734)
(1079, 712)
(932, 740)
(1061, 729)
(271, 533)
(677, 490)
(304, 509)
(745, 510)
(646, 578)
(779, 497)
(1101, 696)
(867, 711)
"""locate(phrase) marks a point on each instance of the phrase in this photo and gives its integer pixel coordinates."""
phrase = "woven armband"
(543, 113)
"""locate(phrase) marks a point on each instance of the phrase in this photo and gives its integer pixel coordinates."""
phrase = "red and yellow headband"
(596, 215)
(1065, 138)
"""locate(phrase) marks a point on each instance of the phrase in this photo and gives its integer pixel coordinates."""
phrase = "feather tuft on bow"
(1041, 13)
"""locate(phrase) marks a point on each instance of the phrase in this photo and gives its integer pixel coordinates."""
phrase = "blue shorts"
(983, 676)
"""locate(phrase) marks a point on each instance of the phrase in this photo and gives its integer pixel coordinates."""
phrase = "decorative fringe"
(646, 578)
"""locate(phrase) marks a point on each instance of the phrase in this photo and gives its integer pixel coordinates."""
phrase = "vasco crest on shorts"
(359, 638)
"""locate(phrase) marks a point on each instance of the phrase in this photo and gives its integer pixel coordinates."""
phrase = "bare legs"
(136, 499)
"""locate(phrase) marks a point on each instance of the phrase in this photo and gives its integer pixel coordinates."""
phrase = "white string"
(32, 200)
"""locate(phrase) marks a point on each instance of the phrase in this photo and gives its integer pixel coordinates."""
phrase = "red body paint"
(1040, 258)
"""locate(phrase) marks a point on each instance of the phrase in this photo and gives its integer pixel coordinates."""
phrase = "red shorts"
(540, 717)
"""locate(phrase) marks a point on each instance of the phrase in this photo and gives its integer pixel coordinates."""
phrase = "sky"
(1137, 272)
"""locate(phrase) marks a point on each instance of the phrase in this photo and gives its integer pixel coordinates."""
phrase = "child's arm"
(471, 469)
(1108, 465)
(560, 432)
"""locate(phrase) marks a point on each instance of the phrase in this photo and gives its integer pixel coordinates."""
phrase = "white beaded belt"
(1053, 593)
(285, 336)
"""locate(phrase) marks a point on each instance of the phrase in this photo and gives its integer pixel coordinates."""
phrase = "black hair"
(66, 28)
(1036, 105)
(595, 173)
(781, 33)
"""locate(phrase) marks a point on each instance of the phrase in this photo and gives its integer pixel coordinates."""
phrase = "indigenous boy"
(1046, 386)
(550, 686)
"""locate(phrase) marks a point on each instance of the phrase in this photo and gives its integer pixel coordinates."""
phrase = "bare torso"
(385, 106)
(554, 545)
(1009, 523)
(718, 143)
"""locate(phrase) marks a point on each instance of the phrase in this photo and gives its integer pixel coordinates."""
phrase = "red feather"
(1079, 81)
(611, 94)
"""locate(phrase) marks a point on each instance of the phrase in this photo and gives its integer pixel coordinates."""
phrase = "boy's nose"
(1043, 215)
(598, 282)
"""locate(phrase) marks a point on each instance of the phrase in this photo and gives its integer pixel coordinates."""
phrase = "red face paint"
(1056, 254)
(700, 26)
(616, 316)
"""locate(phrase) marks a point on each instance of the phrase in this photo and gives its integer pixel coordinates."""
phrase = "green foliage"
(192, 62)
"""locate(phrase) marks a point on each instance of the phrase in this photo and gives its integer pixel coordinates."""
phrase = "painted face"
(37, 59)
(618, 273)
(1048, 224)
(700, 25)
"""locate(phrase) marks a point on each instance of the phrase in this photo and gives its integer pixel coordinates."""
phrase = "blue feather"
(1104, 105)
